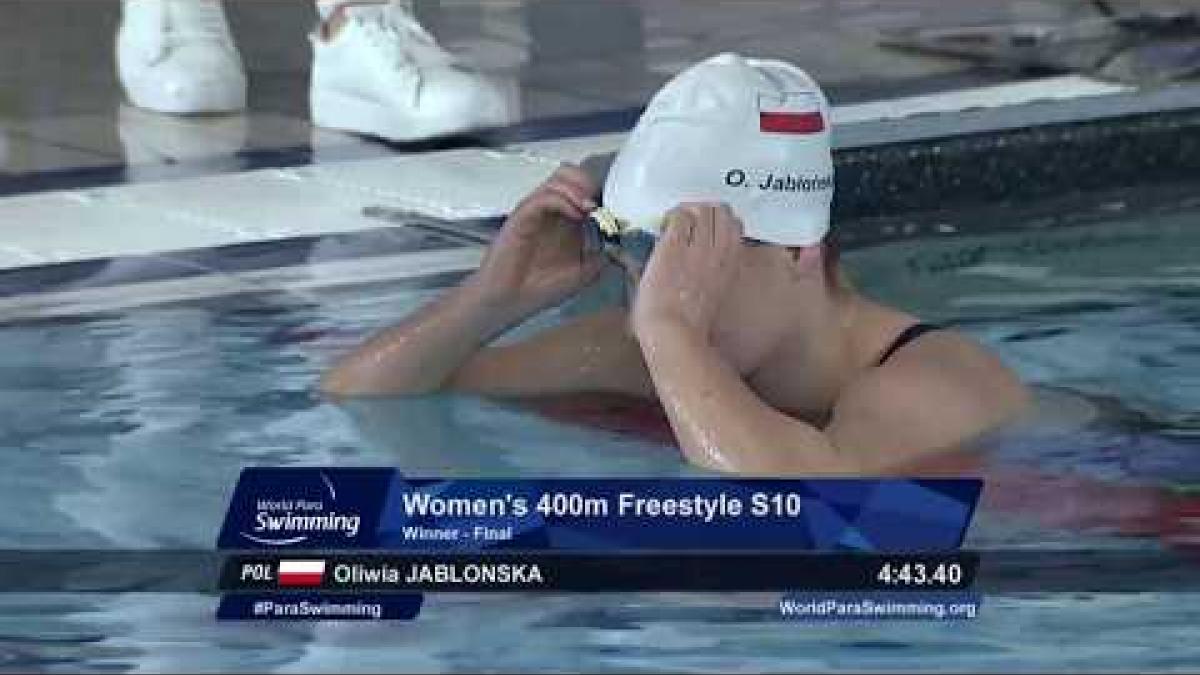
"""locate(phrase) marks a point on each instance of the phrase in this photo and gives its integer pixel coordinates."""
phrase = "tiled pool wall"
(1018, 179)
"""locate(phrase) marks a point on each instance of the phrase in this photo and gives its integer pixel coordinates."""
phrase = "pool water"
(128, 429)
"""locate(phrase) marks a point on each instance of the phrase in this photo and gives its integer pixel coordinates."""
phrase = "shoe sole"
(331, 110)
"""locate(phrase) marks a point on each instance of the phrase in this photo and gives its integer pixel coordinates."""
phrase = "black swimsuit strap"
(908, 335)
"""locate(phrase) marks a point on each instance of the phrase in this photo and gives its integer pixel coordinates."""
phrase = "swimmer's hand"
(690, 270)
(539, 258)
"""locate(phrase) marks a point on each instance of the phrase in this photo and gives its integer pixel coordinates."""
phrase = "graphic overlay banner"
(300, 537)
(377, 509)
(879, 606)
(574, 572)
(318, 607)
(1003, 570)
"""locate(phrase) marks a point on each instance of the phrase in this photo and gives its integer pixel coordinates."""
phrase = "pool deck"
(126, 196)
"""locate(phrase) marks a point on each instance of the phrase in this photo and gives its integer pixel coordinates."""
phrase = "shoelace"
(196, 21)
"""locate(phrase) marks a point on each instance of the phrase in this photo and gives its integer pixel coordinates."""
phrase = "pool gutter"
(1052, 101)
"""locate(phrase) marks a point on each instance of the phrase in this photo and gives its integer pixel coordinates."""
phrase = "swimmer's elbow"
(348, 380)
(335, 386)
(342, 382)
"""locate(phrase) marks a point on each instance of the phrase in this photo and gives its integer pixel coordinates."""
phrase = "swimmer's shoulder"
(936, 391)
(948, 363)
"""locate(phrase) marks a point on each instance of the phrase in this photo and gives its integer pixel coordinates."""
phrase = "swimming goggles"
(604, 231)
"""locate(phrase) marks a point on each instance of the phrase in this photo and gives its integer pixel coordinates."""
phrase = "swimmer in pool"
(764, 358)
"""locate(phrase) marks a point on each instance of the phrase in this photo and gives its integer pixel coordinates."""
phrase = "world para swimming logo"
(305, 509)
(287, 522)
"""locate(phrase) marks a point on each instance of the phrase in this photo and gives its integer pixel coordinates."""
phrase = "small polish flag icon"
(301, 573)
(796, 113)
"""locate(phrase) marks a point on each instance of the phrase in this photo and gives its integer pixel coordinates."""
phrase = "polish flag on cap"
(301, 573)
(790, 113)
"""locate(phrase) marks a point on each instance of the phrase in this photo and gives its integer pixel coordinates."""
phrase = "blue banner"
(319, 607)
(378, 509)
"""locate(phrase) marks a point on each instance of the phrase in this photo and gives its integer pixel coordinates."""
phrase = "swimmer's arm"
(420, 354)
(537, 260)
(719, 422)
(442, 347)
(889, 417)
(591, 354)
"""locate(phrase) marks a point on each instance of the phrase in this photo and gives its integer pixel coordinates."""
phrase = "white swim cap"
(751, 133)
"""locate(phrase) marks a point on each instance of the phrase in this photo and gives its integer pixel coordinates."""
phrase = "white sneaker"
(178, 56)
(384, 75)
